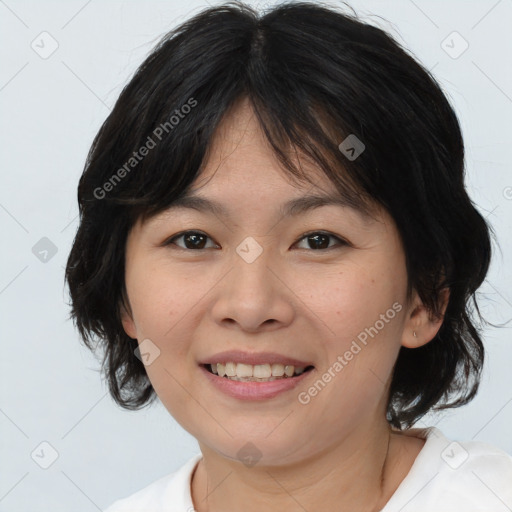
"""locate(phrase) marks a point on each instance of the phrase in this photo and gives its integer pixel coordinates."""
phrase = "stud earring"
(414, 334)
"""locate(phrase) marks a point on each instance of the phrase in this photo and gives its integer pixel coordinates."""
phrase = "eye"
(194, 240)
(319, 240)
(197, 240)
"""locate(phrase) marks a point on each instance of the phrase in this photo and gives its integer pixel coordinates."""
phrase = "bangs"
(303, 147)
(301, 120)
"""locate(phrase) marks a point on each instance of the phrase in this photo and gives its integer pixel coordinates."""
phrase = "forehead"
(239, 141)
(240, 153)
(240, 160)
(241, 172)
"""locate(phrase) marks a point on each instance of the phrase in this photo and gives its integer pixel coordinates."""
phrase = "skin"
(294, 299)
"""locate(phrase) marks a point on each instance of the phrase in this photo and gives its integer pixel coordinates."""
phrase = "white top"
(446, 476)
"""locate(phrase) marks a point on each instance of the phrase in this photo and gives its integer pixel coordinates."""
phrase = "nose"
(254, 296)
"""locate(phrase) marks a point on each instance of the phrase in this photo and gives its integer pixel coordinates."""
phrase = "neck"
(353, 474)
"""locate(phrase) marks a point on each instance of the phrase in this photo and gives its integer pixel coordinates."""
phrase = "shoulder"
(170, 493)
(469, 476)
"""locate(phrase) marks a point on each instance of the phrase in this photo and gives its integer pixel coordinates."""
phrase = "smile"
(255, 373)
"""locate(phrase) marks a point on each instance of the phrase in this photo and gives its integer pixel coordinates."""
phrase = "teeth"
(230, 369)
(277, 370)
(243, 370)
(262, 371)
(239, 371)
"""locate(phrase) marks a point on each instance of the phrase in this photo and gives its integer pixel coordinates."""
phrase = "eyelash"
(341, 242)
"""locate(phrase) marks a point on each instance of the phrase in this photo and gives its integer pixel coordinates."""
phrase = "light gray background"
(52, 107)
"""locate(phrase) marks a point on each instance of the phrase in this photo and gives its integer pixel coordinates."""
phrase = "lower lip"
(254, 390)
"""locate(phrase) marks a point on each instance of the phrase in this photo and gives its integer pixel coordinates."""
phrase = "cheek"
(351, 299)
(160, 301)
(159, 297)
(360, 308)
(166, 305)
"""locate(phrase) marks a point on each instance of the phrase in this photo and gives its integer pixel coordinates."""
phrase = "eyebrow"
(293, 207)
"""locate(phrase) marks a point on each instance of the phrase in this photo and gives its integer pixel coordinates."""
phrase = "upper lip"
(237, 356)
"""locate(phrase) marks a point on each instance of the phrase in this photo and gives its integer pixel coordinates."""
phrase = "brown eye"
(196, 240)
(319, 241)
(193, 240)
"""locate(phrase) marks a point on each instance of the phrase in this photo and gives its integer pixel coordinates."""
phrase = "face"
(324, 286)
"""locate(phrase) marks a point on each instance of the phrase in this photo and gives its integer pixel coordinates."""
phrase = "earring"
(414, 334)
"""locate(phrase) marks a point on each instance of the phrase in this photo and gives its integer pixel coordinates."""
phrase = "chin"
(258, 448)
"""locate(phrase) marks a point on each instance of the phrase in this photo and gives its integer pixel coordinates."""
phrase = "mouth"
(255, 373)
(255, 377)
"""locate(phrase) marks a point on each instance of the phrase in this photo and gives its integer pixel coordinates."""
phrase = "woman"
(275, 240)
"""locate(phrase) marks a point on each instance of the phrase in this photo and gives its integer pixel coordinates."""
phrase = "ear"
(128, 322)
(422, 322)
